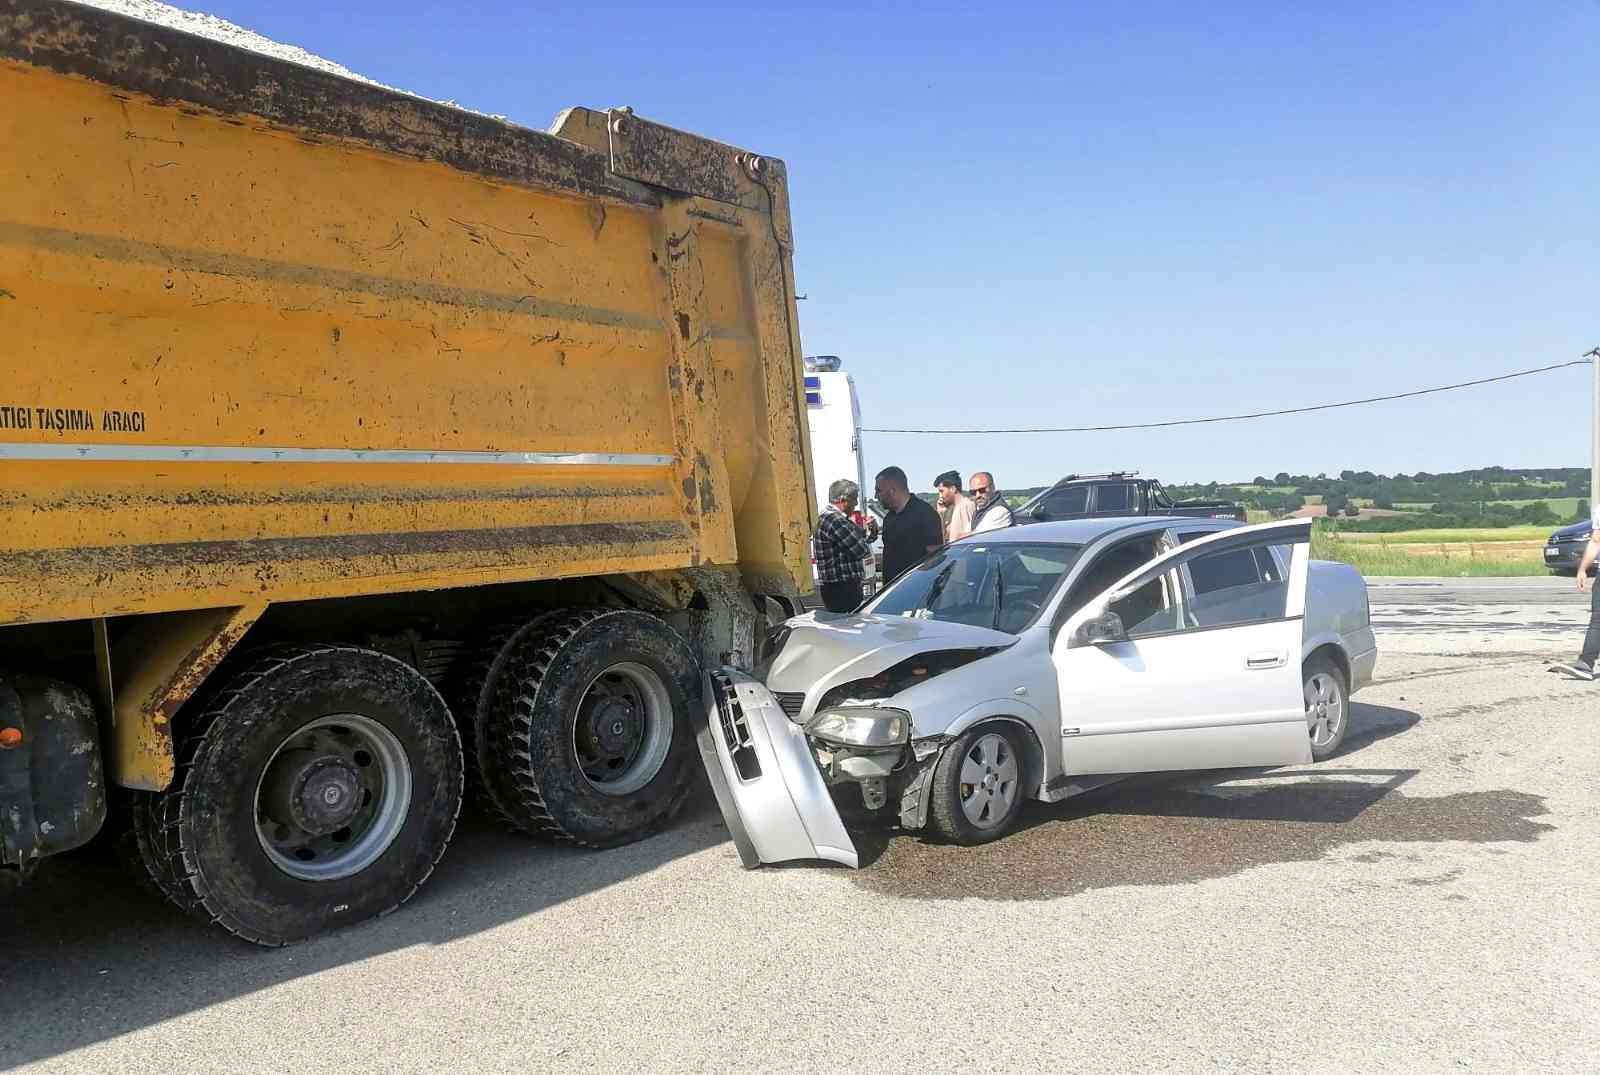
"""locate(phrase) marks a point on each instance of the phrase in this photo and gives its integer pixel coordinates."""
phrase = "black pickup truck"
(1091, 496)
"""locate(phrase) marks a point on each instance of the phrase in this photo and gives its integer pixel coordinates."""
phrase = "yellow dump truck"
(359, 452)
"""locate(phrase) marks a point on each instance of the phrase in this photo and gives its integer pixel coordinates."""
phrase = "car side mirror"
(1038, 514)
(1102, 630)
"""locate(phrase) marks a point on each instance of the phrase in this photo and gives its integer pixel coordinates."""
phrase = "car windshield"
(999, 586)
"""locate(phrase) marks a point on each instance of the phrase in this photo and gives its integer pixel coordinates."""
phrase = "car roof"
(1082, 531)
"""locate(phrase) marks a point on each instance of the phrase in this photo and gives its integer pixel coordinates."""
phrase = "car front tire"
(977, 785)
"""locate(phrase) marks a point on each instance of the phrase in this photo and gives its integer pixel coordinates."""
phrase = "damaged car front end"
(839, 714)
(775, 778)
(767, 782)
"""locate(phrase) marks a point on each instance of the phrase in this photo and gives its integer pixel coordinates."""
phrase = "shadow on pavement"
(86, 954)
(1178, 828)
(1371, 724)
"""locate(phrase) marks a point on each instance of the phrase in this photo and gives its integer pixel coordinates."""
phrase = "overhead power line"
(1257, 414)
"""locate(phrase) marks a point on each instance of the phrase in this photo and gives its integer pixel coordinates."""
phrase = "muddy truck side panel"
(287, 354)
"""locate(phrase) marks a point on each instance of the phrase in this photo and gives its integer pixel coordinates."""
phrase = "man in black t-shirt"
(912, 528)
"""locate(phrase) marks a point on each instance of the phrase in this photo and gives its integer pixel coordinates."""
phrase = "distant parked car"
(1564, 550)
(1098, 496)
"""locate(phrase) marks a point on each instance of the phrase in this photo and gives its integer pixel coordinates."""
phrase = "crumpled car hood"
(821, 653)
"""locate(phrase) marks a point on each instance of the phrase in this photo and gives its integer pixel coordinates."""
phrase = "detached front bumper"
(767, 783)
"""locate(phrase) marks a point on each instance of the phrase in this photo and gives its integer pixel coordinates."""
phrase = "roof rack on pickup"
(1088, 477)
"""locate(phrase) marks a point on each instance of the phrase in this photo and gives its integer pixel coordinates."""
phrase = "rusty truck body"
(359, 452)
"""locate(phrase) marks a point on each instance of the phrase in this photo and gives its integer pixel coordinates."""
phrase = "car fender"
(1013, 711)
(1315, 641)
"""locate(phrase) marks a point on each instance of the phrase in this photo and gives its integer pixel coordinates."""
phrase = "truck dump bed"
(274, 335)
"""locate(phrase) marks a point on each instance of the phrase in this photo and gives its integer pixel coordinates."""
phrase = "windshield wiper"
(936, 589)
(999, 596)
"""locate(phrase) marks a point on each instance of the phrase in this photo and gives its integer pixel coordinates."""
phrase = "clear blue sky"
(1070, 214)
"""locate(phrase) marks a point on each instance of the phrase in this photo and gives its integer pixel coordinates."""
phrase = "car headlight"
(862, 727)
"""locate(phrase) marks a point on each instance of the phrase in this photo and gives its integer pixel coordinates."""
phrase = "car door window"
(1273, 562)
(1062, 503)
(1239, 584)
(1236, 586)
(1109, 566)
(1150, 608)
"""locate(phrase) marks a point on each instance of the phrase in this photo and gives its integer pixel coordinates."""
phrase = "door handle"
(1266, 660)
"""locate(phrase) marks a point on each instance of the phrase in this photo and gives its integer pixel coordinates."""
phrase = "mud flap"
(767, 784)
(52, 791)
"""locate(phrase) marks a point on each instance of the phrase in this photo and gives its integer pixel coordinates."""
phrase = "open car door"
(1191, 661)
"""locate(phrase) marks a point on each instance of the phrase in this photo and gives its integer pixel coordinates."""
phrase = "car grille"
(736, 729)
(790, 703)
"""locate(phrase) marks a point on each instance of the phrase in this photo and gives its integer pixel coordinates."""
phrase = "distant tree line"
(1461, 498)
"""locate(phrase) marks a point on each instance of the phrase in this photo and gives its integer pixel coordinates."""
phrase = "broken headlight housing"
(862, 726)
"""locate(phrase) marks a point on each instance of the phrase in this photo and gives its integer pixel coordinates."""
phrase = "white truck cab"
(833, 411)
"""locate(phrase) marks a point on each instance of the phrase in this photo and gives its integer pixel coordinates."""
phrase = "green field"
(1529, 484)
(1496, 559)
(1564, 506)
(1466, 534)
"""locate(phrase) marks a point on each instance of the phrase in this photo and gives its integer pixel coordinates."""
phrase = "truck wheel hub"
(318, 794)
(615, 726)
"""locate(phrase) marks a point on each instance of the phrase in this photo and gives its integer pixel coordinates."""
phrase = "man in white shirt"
(992, 514)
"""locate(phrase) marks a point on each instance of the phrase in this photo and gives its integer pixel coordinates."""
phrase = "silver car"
(1037, 663)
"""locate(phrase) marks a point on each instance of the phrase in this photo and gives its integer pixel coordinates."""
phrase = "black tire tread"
(510, 776)
(170, 862)
(124, 836)
(473, 693)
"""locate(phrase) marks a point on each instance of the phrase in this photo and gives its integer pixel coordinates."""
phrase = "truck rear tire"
(588, 737)
(318, 790)
(472, 694)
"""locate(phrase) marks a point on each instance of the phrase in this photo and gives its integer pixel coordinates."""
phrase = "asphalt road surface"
(1426, 901)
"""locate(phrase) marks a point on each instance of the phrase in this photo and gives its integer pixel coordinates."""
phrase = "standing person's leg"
(1583, 667)
(1591, 641)
(841, 596)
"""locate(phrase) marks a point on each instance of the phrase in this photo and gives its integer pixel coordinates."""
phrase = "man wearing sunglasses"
(992, 513)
